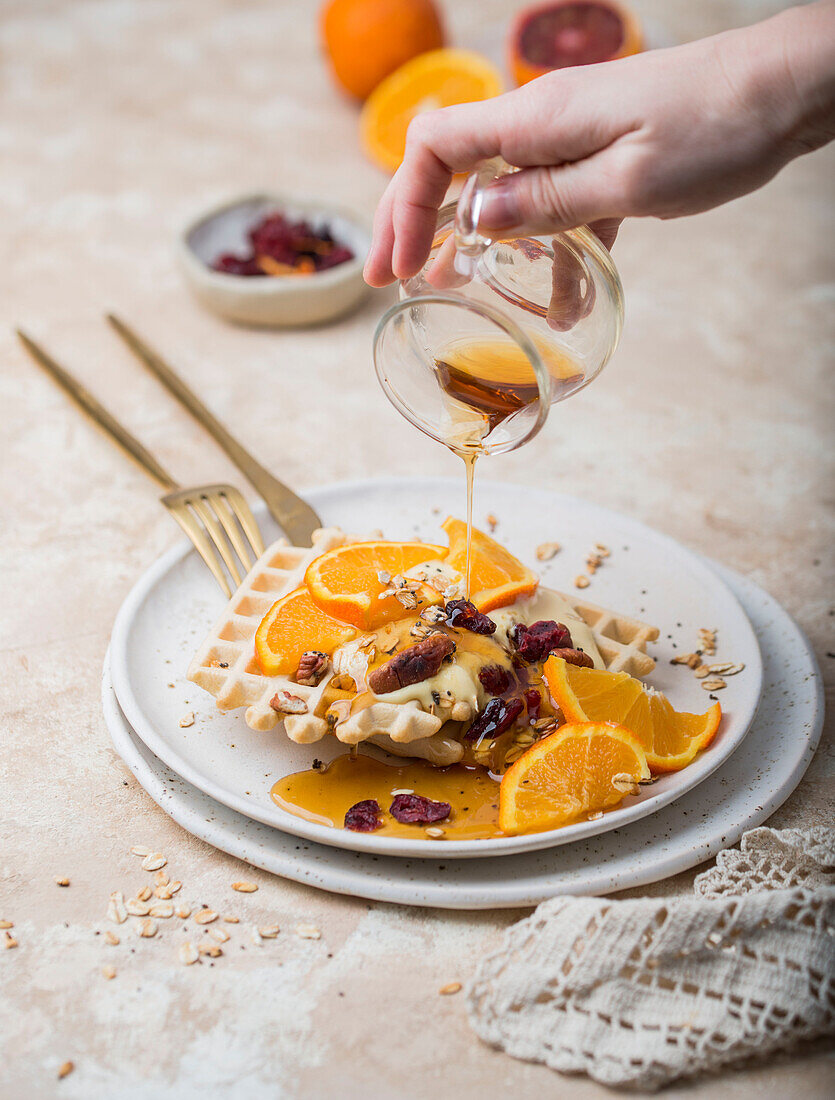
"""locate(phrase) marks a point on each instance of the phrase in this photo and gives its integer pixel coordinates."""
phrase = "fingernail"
(499, 209)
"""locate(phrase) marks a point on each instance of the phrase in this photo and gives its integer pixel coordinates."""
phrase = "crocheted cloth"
(640, 993)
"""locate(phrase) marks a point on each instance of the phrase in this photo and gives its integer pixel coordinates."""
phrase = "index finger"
(439, 144)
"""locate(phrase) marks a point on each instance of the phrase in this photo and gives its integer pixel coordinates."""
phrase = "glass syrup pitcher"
(491, 332)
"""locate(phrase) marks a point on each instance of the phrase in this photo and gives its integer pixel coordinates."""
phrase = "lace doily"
(642, 992)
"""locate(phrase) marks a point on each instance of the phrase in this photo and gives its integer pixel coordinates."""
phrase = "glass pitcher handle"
(469, 243)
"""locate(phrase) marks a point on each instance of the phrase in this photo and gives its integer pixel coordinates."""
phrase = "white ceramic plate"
(756, 780)
(647, 575)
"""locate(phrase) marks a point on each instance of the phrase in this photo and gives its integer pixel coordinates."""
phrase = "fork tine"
(237, 502)
(226, 515)
(201, 542)
(201, 503)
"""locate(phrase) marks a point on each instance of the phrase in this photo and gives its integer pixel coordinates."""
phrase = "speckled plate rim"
(648, 802)
(679, 837)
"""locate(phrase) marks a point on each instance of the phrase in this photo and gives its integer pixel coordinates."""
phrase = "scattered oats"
(256, 936)
(383, 576)
(116, 910)
(219, 934)
(140, 850)
(231, 920)
(111, 938)
(184, 912)
(9, 941)
(6, 924)
(62, 882)
(406, 599)
(603, 551)
(144, 894)
(450, 988)
(146, 928)
(701, 672)
(547, 550)
(138, 908)
(161, 879)
(341, 711)
(244, 887)
(187, 720)
(683, 658)
(403, 790)
(163, 909)
(434, 832)
(624, 782)
(492, 521)
(433, 615)
(594, 816)
(187, 953)
(210, 949)
(714, 684)
(108, 972)
(593, 562)
(65, 1069)
(268, 931)
(308, 932)
(205, 916)
(725, 668)
(153, 861)
(581, 581)
(368, 640)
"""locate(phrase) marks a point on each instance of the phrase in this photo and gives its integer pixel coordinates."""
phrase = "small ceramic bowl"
(278, 301)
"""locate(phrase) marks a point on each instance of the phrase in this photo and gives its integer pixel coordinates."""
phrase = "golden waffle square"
(225, 663)
(622, 641)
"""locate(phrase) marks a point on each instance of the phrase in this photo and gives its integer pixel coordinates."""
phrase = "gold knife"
(295, 515)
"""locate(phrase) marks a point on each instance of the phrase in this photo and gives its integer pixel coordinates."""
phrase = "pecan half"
(312, 667)
(285, 703)
(412, 665)
(574, 657)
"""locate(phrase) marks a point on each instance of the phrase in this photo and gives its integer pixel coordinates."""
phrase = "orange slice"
(293, 625)
(345, 582)
(582, 768)
(563, 33)
(670, 738)
(439, 78)
(496, 578)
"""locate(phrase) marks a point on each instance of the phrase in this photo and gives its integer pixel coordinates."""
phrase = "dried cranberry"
(536, 641)
(230, 264)
(494, 679)
(364, 817)
(533, 701)
(337, 255)
(496, 717)
(466, 616)
(414, 809)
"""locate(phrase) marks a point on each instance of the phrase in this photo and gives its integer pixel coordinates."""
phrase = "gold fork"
(216, 518)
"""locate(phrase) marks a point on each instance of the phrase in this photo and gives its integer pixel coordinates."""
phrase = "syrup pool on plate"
(324, 794)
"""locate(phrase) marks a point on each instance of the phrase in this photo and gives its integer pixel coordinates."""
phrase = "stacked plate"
(214, 776)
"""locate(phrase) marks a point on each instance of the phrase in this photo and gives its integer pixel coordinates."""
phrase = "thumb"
(535, 201)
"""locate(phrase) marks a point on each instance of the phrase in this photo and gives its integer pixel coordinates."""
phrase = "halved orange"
(670, 738)
(581, 768)
(497, 578)
(438, 78)
(346, 581)
(293, 625)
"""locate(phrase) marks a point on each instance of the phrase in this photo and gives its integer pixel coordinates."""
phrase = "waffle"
(622, 641)
(225, 663)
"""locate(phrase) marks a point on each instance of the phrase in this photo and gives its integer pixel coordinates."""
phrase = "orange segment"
(439, 78)
(670, 738)
(497, 578)
(345, 582)
(293, 625)
(599, 697)
(582, 768)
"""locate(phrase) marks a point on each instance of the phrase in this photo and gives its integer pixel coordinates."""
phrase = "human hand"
(663, 134)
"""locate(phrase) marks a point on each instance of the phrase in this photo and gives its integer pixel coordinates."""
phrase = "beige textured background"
(119, 119)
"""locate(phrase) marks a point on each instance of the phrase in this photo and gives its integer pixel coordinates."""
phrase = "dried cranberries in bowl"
(279, 246)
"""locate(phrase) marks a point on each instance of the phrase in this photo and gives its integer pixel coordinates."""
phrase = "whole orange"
(365, 40)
